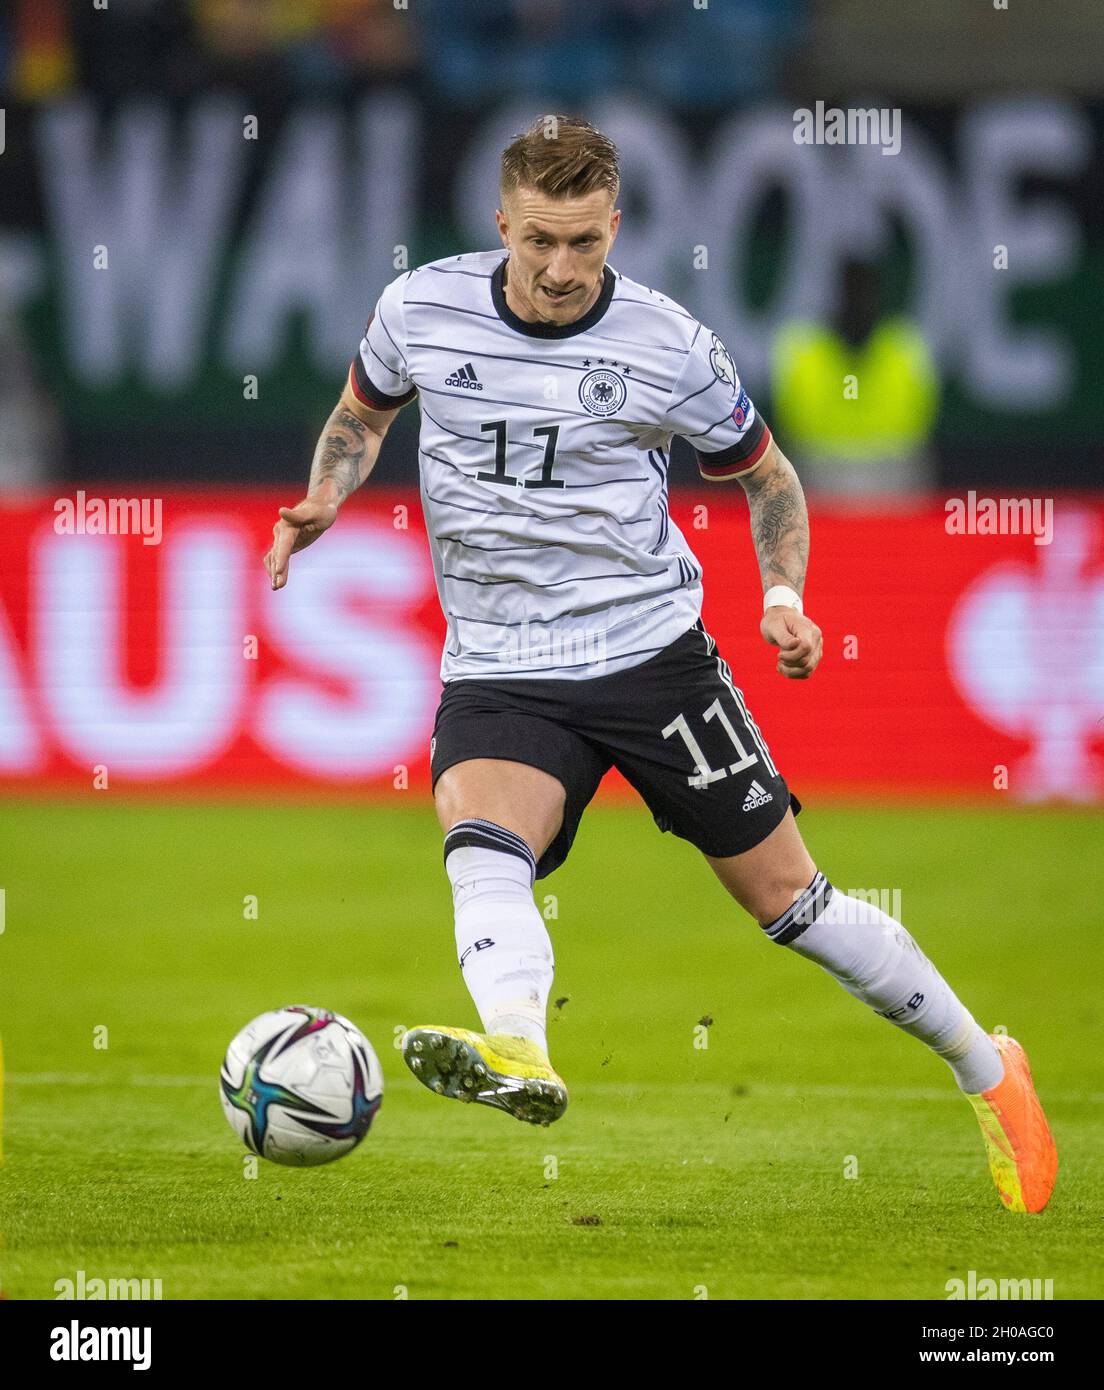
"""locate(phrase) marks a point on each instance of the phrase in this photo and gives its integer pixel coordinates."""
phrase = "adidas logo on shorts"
(464, 377)
(757, 796)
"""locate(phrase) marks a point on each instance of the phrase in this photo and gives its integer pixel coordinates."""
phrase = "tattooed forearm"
(343, 453)
(779, 522)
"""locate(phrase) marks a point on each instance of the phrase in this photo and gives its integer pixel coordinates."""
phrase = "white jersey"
(543, 459)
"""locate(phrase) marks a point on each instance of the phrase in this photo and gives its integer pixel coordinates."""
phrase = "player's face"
(558, 249)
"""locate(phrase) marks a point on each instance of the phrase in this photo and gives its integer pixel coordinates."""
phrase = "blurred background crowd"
(466, 50)
(480, 50)
(377, 125)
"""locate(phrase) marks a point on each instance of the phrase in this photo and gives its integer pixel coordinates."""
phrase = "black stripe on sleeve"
(372, 396)
(738, 457)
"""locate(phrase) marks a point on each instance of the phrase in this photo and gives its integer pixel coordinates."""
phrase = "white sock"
(874, 958)
(504, 948)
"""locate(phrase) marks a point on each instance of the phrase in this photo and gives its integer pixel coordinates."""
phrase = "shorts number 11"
(705, 774)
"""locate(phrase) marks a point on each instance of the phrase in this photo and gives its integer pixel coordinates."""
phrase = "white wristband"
(782, 596)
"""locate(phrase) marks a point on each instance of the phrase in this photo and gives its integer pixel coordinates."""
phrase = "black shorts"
(675, 726)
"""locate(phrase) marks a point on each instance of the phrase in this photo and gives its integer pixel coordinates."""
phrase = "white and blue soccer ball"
(300, 1086)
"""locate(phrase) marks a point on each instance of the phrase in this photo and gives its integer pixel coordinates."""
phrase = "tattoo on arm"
(779, 524)
(342, 453)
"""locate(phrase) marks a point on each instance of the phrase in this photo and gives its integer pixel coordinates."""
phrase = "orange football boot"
(1022, 1157)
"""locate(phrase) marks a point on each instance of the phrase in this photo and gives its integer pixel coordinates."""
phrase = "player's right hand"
(298, 527)
(798, 639)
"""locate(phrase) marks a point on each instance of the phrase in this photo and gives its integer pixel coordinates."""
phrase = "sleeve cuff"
(741, 457)
(372, 396)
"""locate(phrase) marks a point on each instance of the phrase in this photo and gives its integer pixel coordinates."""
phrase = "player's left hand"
(798, 639)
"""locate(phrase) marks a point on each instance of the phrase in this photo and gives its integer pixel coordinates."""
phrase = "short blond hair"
(562, 156)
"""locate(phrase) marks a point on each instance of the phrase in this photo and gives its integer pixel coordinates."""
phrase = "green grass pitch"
(678, 1171)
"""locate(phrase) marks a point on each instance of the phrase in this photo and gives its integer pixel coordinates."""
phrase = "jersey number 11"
(549, 433)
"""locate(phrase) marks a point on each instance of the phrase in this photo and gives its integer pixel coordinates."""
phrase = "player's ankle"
(519, 1026)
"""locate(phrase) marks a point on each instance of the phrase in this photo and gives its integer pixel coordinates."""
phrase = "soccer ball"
(300, 1086)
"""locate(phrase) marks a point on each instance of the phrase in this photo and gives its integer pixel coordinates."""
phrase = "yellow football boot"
(1022, 1156)
(512, 1074)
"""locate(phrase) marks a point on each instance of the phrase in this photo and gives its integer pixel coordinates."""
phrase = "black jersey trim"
(549, 330)
(474, 274)
(714, 381)
(738, 458)
(560, 666)
(667, 308)
(370, 395)
(551, 622)
(553, 584)
(531, 516)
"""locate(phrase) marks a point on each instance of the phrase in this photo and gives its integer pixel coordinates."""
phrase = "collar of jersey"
(550, 330)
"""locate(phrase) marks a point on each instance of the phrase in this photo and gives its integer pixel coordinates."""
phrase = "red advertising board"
(956, 662)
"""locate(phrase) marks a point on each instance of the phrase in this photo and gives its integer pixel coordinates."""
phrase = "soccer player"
(550, 388)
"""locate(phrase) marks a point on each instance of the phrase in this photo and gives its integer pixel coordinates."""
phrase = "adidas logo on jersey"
(464, 377)
(757, 796)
